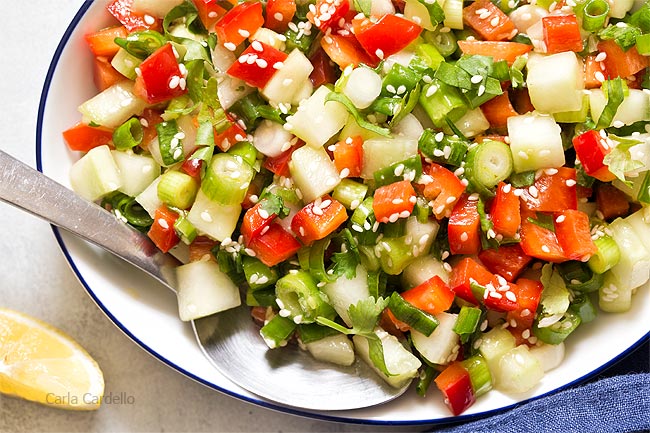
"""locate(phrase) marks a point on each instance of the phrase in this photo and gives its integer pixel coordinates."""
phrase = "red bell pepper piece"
(82, 137)
(348, 155)
(505, 211)
(498, 50)
(133, 21)
(509, 261)
(201, 247)
(382, 38)
(393, 201)
(257, 64)
(102, 42)
(239, 23)
(463, 273)
(620, 63)
(433, 296)
(561, 33)
(325, 71)
(162, 231)
(327, 13)
(573, 233)
(345, 51)
(611, 201)
(444, 190)
(489, 21)
(463, 230)
(104, 74)
(456, 386)
(528, 293)
(552, 191)
(233, 134)
(540, 242)
(210, 12)
(318, 219)
(591, 149)
(255, 221)
(160, 77)
(280, 164)
(279, 14)
(274, 246)
(498, 109)
(192, 167)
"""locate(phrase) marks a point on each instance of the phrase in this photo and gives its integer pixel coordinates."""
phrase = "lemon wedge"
(40, 363)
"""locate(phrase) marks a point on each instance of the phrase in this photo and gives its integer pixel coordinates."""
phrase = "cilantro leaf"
(365, 314)
(620, 159)
(623, 34)
(358, 117)
(364, 317)
(346, 261)
(615, 93)
(274, 204)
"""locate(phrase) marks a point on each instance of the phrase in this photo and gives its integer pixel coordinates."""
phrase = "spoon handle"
(32, 191)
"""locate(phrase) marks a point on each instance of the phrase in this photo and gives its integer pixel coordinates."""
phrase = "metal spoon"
(288, 376)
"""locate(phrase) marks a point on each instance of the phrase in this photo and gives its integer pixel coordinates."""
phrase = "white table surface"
(36, 279)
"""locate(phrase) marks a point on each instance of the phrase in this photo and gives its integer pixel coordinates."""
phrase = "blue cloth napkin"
(617, 400)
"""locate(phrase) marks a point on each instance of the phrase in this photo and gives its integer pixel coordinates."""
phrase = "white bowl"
(147, 312)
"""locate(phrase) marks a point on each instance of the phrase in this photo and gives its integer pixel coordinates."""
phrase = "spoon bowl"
(230, 339)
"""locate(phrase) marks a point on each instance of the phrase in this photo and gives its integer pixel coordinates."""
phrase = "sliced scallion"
(559, 331)
(177, 189)
(277, 331)
(258, 275)
(479, 374)
(415, 318)
(409, 169)
(606, 257)
(170, 142)
(227, 179)
(311, 332)
(142, 44)
(487, 164)
(128, 135)
(300, 300)
(468, 320)
(185, 229)
(583, 307)
(594, 14)
(442, 148)
(350, 193)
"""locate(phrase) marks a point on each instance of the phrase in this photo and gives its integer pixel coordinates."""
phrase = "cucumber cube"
(313, 172)
(518, 371)
(633, 269)
(316, 121)
(136, 171)
(203, 290)
(535, 142)
(443, 344)
(337, 349)
(289, 78)
(212, 218)
(95, 174)
(551, 92)
(401, 363)
(379, 153)
(113, 106)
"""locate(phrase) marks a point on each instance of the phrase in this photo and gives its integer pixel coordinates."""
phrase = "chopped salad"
(444, 189)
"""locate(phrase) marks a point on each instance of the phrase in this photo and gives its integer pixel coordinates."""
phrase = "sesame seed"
(546, 249)
(570, 182)
(464, 237)
(560, 219)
